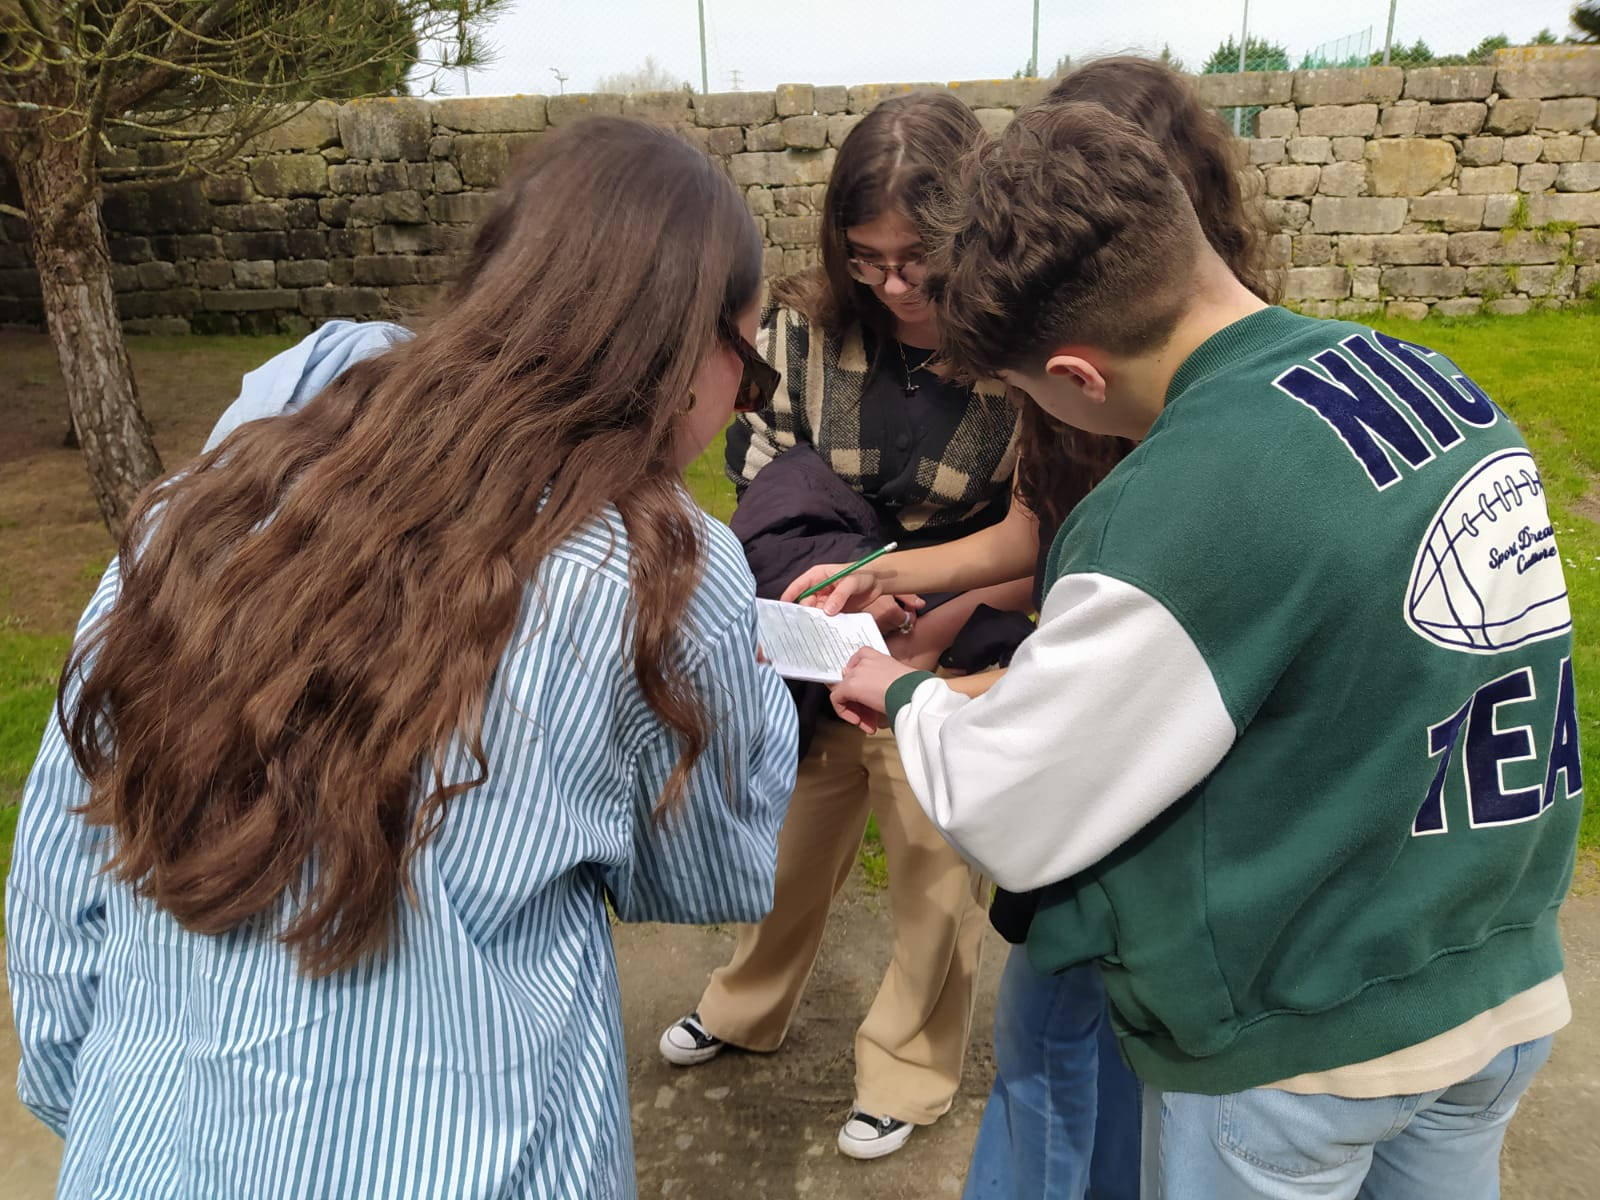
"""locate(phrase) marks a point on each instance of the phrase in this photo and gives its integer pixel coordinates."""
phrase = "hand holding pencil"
(846, 587)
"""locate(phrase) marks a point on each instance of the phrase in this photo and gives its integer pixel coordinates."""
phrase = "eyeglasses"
(864, 270)
(760, 380)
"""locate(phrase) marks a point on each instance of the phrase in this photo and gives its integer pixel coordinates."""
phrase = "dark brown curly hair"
(1060, 464)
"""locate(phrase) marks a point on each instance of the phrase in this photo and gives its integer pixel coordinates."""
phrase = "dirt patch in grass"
(52, 542)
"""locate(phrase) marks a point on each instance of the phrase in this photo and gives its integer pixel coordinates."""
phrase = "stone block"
(1316, 283)
(1492, 248)
(267, 244)
(482, 159)
(1481, 181)
(1400, 120)
(490, 114)
(759, 201)
(345, 244)
(1459, 119)
(1452, 213)
(1368, 85)
(388, 176)
(1574, 208)
(232, 188)
(563, 110)
(1366, 283)
(733, 108)
(303, 272)
(1588, 283)
(1509, 306)
(1343, 179)
(1357, 214)
(1566, 70)
(793, 231)
(993, 93)
(461, 208)
(1441, 282)
(385, 270)
(439, 145)
(175, 302)
(156, 275)
(1573, 113)
(805, 133)
(446, 178)
(1461, 306)
(1512, 116)
(663, 108)
(798, 260)
(130, 249)
(1483, 151)
(1292, 180)
(726, 140)
(1409, 166)
(158, 326)
(341, 302)
(865, 97)
(1277, 122)
(767, 137)
(788, 168)
(1449, 83)
(1553, 281)
(832, 99)
(290, 175)
(1586, 246)
(1349, 149)
(1525, 148)
(1562, 147)
(347, 179)
(257, 300)
(395, 127)
(1355, 120)
(1499, 210)
(1265, 152)
(772, 261)
(1249, 89)
(261, 273)
(199, 245)
(1394, 249)
(994, 120)
(300, 213)
(1289, 215)
(1537, 177)
(413, 239)
(311, 127)
(334, 210)
(1591, 148)
(795, 99)
(1310, 250)
(1310, 149)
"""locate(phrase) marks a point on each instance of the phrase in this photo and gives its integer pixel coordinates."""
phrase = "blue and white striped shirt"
(484, 1056)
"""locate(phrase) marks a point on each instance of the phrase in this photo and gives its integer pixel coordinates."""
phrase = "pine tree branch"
(169, 65)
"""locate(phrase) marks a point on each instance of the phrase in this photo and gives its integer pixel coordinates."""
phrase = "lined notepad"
(806, 643)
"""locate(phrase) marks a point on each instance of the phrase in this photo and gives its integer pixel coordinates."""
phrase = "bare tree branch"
(163, 71)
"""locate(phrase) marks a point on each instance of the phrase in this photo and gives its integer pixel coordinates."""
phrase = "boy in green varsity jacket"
(1293, 753)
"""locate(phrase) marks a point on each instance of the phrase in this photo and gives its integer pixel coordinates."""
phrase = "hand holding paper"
(807, 644)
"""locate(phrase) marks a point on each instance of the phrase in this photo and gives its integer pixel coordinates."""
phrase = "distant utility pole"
(1244, 40)
(733, 79)
(1388, 37)
(561, 80)
(1033, 62)
(705, 83)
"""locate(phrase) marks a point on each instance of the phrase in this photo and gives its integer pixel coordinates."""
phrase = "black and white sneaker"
(866, 1136)
(687, 1044)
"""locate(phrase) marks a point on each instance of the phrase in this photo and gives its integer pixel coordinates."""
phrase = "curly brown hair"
(1059, 464)
(311, 613)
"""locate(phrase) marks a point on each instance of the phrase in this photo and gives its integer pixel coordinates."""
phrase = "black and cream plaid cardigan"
(819, 403)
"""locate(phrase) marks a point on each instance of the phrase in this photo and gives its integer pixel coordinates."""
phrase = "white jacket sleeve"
(1107, 716)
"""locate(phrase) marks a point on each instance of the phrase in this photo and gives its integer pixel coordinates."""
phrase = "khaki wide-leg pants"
(910, 1047)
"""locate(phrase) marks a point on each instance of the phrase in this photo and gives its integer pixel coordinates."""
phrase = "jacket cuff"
(900, 692)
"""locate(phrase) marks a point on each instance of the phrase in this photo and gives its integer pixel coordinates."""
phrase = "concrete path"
(749, 1127)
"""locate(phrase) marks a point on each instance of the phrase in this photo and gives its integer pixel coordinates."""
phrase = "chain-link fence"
(552, 46)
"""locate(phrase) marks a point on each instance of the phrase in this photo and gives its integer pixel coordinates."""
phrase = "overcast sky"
(867, 41)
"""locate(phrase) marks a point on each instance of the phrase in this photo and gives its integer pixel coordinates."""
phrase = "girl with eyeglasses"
(424, 663)
(863, 440)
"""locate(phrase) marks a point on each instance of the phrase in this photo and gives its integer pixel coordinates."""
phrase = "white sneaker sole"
(686, 1056)
(868, 1149)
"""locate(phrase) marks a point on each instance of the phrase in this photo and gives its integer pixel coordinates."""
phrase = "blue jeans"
(1264, 1144)
(1063, 1118)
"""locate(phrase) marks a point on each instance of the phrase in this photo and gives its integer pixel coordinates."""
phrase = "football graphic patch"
(1488, 576)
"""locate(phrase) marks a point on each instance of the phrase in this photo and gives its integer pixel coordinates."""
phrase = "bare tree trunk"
(74, 266)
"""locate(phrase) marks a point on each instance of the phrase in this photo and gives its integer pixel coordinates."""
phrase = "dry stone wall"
(1454, 189)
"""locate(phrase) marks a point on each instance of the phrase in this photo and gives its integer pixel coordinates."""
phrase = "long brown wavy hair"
(1058, 464)
(311, 613)
(892, 161)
